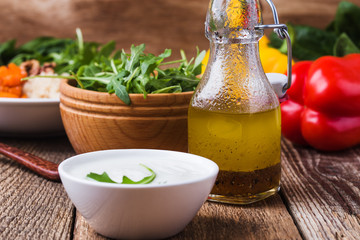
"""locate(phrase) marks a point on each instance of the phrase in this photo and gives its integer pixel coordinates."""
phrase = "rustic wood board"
(31, 206)
(322, 191)
(267, 219)
(158, 23)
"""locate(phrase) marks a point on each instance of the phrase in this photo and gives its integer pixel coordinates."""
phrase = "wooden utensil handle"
(44, 168)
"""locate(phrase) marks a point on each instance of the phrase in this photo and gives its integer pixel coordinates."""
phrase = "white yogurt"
(168, 167)
(137, 211)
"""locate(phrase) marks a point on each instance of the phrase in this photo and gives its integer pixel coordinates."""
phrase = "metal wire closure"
(282, 33)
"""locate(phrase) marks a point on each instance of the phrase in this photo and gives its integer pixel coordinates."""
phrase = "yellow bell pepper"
(273, 61)
(205, 61)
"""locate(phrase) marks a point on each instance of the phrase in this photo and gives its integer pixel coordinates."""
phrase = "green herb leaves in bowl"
(104, 177)
(100, 67)
(138, 72)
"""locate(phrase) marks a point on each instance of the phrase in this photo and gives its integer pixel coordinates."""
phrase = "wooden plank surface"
(159, 24)
(322, 191)
(267, 219)
(32, 207)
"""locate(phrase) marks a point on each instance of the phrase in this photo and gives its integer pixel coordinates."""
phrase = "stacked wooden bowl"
(98, 121)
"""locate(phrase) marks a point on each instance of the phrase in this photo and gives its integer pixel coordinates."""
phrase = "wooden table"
(319, 199)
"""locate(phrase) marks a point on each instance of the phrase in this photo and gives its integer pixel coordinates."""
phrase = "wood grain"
(159, 24)
(99, 121)
(322, 191)
(32, 207)
(268, 219)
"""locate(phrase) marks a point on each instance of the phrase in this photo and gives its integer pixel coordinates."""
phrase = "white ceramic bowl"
(148, 211)
(30, 117)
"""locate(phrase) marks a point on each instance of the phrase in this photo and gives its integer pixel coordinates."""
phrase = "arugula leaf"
(104, 177)
(143, 80)
(145, 180)
(149, 63)
(198, 62)
(80, 40)
(159, 83)
(90, 70)
(173, 89)
(117, 54)
(120, 90)
(165, 54)
(136, 51)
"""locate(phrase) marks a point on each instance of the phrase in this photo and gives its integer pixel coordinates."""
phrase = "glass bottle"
(234, 115)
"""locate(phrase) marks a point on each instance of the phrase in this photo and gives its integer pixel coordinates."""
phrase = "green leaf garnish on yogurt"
(104, 177)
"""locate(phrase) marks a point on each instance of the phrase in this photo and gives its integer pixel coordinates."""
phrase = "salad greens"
(138, 72)
(340, 38)
(68, 54)
(101, 68)
(104, 177)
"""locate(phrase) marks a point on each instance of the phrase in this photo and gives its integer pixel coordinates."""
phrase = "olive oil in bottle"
(245, 147)
(234, 114)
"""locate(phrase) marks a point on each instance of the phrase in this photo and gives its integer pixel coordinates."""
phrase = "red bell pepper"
(323, 109)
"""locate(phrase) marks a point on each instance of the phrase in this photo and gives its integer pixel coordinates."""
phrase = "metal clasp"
(282, 33)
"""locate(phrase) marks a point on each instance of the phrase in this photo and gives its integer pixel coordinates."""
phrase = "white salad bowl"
(30, 117)
(156, 210)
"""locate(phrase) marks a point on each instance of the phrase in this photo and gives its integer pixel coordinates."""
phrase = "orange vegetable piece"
(10, 80)
(8, 95)
(17, 90)
(12, 75)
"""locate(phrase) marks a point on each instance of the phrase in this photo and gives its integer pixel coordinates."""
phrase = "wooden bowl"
(99, 121)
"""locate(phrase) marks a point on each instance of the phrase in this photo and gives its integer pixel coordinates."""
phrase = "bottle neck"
(236, 61)
(234, 80)
(233, 20)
